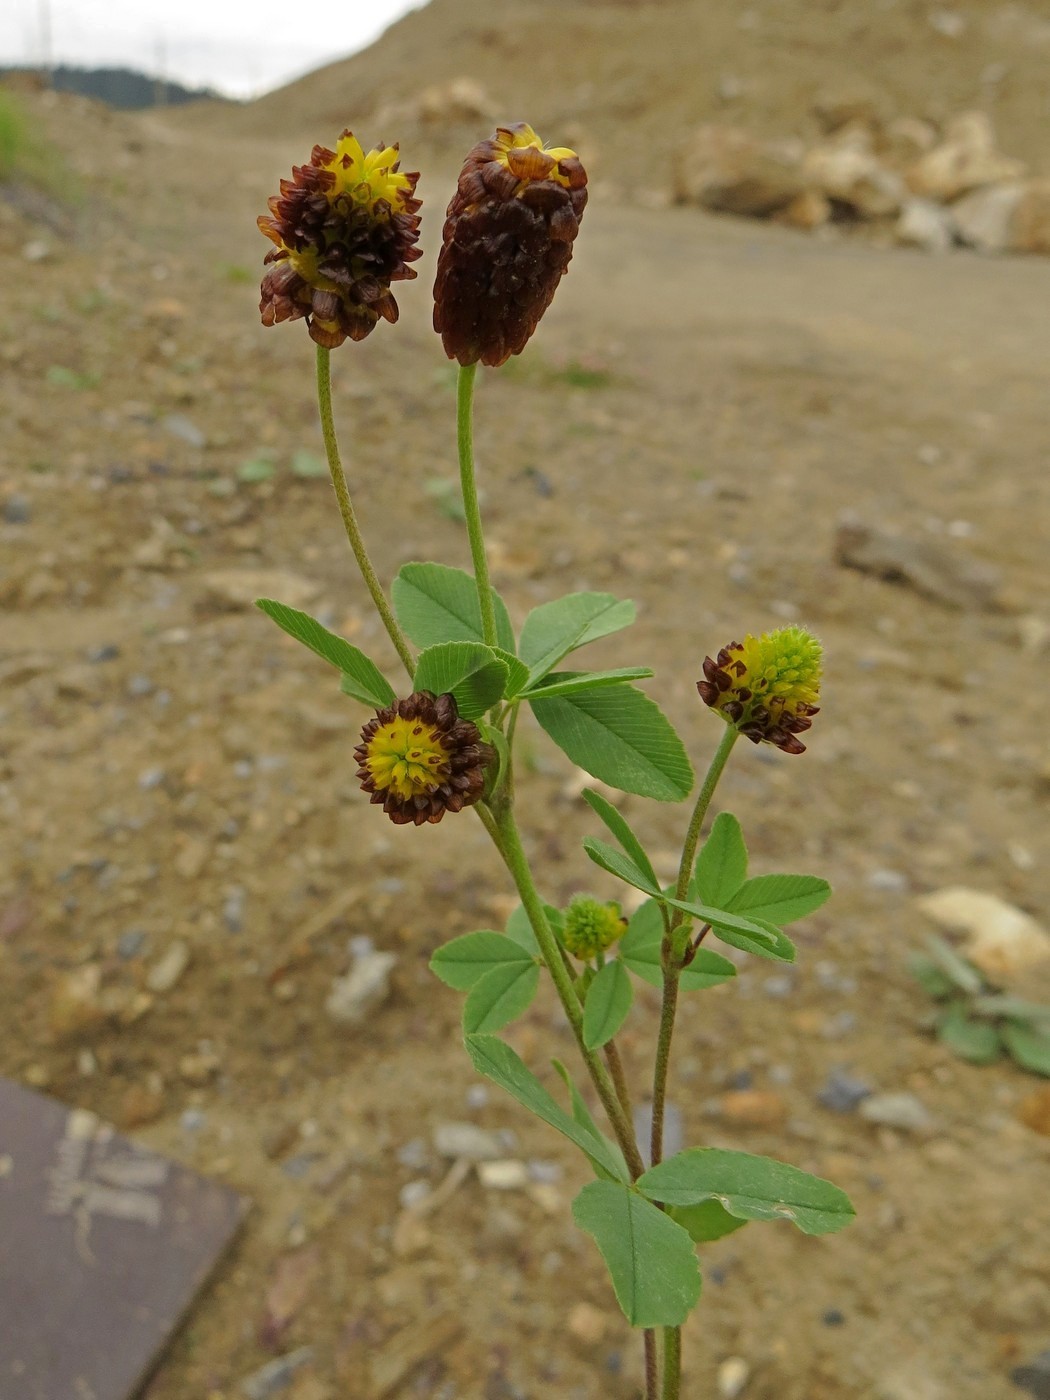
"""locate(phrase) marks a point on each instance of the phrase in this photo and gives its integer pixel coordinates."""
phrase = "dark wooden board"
(103, 1247)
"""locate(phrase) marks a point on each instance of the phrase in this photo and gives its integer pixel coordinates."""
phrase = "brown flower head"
(507, 241)
(420, 760)
(345, 227)
(766, 687)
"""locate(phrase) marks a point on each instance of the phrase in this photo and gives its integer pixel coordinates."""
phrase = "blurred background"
(797, 371)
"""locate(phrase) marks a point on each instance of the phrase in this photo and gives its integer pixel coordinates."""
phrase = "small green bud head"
(591, 927)
(766, 687)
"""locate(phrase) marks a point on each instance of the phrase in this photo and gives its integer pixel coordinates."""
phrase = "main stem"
(469, 489)
(513, 854)
(346, 510)
(672, 974)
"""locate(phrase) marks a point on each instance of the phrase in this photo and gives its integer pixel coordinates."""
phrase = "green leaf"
(465, 960)
(308, 464)
(569, 682)
(749, 1187)
(498, 1062)
(640, 946)
(623, 833)
(554, 629)
(519, 927)
(650, 1258)
(976, 1041)
(361, 677)
(582, 1115)
(622, 738)
(470, 670)
(608, 1001)
(517, 673)
(749, 934)
(435, 603)
(961, 973)
(1028, 1046)
(721, 866)
(499, 996)
(705, 1222)
(780, 898)
(1013, 1008)
(932, 978)
(616, 863)
(256, 469)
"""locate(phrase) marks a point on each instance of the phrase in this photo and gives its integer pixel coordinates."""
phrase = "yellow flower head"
(507, 242)
(420, 760)
(591, 927)
(345, 227)
(766, 687)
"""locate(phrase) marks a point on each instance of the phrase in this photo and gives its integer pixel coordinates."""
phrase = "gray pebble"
(139, 686)
(477, 1096)
(108, 651)
(183, 428)
(131, 943)
(17, 510)
(413, 1154)
(779, 986)
(233, 910)
(276, 1375)
(243, 768)
(901, 1110)
(193, 1120)
(1034, 1376)
(549, 1173)
(842, 1092)
(888, 881)
(151, 778)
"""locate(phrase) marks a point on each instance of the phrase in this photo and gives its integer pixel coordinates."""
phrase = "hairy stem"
(471, 508)
(652, 1372)
(663, 1060)
(612, 1059)
(346, 510)
(510, 848)
(703, 801)
(672, 1363)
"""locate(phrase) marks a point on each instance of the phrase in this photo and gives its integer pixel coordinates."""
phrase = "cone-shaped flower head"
(591, 927)
(767, 687)
(420, 760)
(345, 227)
(507, 241)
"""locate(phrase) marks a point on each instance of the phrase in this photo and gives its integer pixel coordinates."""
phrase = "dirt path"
(704, 401)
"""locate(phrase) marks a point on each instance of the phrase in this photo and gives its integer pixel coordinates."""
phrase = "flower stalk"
(349, 516)
(471, 506)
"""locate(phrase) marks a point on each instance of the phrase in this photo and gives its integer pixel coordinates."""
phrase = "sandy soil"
(170, 768)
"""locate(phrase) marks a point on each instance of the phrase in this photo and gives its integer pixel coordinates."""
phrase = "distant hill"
(119, 87)
(625, 80)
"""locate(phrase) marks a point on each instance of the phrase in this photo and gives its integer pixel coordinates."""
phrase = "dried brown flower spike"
(345, 227)
(507, 241)
(420, 760)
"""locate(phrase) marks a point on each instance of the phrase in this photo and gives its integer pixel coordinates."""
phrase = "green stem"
(469, 488)
(652, 1372)
(703, 801)
(668, 1009)
(672, 1363)
(510, 847)
(346, 510)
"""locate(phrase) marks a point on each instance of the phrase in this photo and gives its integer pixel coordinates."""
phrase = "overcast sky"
(241, 47)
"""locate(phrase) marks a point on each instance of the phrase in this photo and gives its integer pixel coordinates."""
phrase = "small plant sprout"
(443, 740)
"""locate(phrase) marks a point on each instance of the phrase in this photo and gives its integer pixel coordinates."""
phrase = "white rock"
(1002, 940)
(1031, 224)
(901, 1110)
(847, 170)
(469, 1141)
(365, 986)
(504, 1174)
(965, 160)
(984, 219)
(727, 169)
(923, 224)
(733, 1375)
(169, 967)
